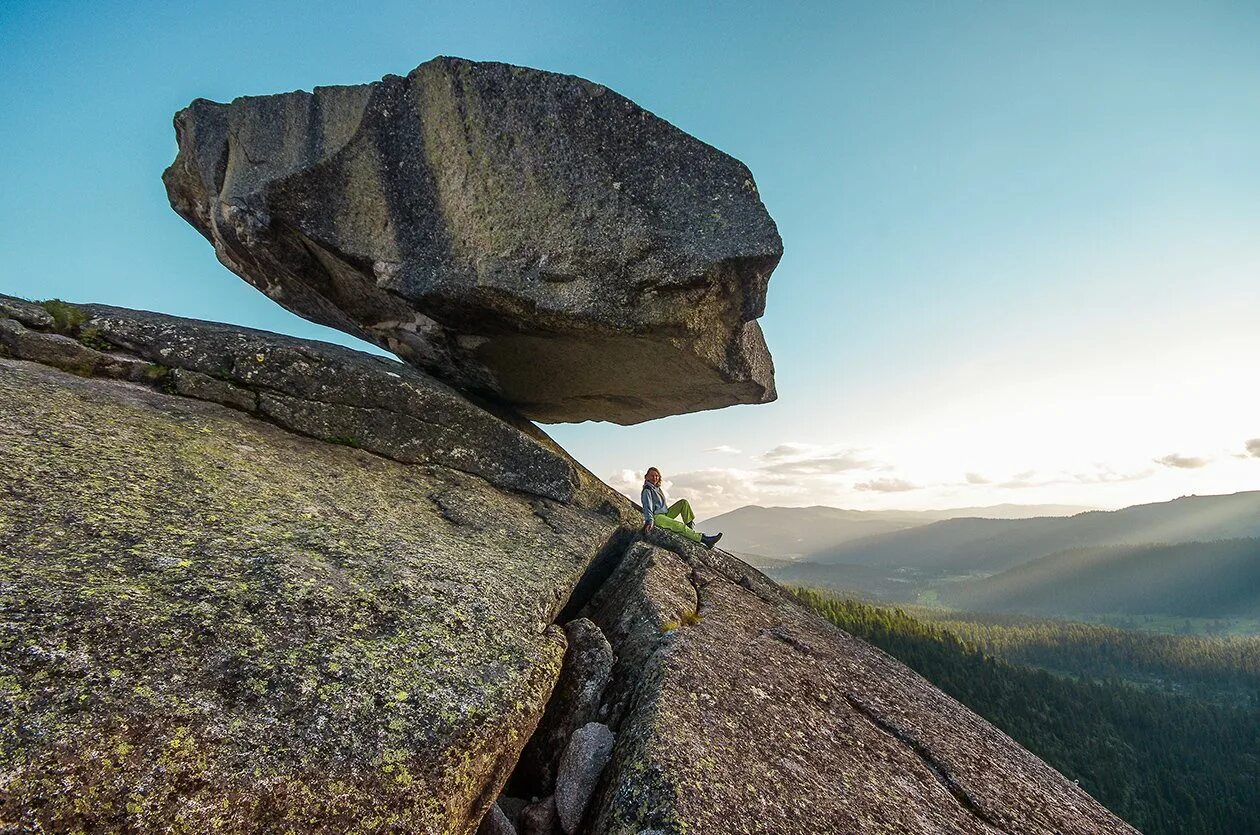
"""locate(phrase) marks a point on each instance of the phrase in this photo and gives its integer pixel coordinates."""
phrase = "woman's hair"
(651, 470)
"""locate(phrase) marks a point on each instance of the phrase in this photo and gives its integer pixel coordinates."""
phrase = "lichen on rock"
(315, 388)
(210, 623)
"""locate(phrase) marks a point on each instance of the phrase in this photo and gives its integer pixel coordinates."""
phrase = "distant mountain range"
(1196, 556)
(997, 544)
(790, 533)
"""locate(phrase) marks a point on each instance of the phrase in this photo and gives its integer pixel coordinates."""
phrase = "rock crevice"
(700, 739)
(951, 785)
(273, 630)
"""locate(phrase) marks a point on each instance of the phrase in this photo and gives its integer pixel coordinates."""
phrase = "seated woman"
(659, 513)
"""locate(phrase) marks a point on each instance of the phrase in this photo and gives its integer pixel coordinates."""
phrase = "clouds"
(795, 459)
(820, 464)
(729, 487)
(1097, 474)
(886, 485)
(1183, 462)
(799, 474)
(1028, 478)
(789, 473)
(796, 474)
(1101, 474)
(1251, 449)
(718, 489)
(788, 450)
(626, 482)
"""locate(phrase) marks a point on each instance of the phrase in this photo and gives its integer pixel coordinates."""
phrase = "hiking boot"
(710, 541)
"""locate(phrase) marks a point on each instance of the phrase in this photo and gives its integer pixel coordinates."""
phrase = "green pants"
(669, 521)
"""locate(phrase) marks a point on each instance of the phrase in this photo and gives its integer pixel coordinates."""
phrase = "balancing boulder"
(529, 237)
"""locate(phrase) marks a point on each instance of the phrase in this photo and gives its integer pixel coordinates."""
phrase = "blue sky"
(1021, 252)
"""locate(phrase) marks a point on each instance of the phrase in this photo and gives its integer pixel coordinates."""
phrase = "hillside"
(1193, 579)
(1201, 778)
(994, 545)
(791, 533)
(394, 644)
(1223, 668)
(895, 585)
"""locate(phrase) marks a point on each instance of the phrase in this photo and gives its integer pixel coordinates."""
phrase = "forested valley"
(1164, 730)
(1222, 668)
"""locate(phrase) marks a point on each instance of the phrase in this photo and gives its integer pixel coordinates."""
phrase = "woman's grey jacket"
(653, 501)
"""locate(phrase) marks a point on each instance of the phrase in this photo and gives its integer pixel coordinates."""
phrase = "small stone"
(512, 806)
(584, 758)
(540, 818)
(496, 823)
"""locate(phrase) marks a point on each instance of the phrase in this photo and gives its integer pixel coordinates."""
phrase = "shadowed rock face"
(527, 236)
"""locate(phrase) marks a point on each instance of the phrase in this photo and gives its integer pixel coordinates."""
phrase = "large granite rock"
(581, 765)
(739, 711)
(212, 619)
(210, 623)
(318, 389)
(531, 237)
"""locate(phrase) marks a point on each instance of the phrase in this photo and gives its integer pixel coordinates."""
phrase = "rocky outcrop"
(208, 622)
(530, 237)
(738, 711)
(314, 388)
(214, 620)
(250, 583)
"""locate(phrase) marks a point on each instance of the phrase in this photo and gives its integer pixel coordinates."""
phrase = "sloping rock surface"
(532, 237)
(742, 712)
(323, 390)
(211, 620)
(208, 623)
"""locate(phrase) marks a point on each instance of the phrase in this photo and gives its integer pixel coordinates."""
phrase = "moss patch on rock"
(67, 318)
